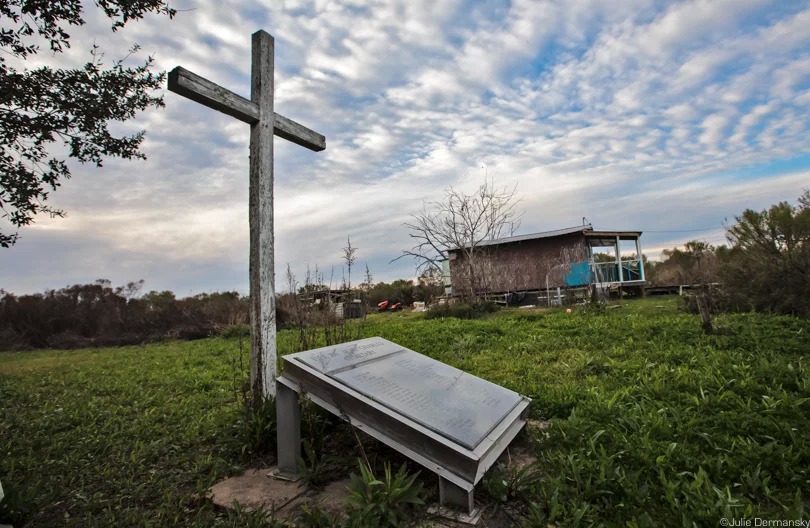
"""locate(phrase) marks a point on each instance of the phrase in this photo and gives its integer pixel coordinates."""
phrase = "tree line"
(100, 314)
(765, 267)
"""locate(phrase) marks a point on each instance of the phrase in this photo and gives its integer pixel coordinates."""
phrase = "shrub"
(473, 310)
(718, 299)
(768, 265)
(237, 330)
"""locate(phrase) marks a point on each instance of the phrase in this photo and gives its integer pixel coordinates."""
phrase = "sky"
(664, 117)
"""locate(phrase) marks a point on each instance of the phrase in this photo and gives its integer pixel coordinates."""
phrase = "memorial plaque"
(457, 405)
(452, 423)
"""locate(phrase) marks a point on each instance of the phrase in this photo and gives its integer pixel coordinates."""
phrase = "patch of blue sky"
(804, 83)
(259, 16)
(211, 41)
(361, 100)
(359, 10)
(472, 14)
(773, 13)
(740, 64)
(774, 167)
(543, 61)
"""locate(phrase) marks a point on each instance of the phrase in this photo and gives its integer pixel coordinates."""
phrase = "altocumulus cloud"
(659, 116)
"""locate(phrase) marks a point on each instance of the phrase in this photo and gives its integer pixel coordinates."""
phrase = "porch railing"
(609, 271)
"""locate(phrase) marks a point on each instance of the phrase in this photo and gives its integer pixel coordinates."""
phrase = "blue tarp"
(580, 274)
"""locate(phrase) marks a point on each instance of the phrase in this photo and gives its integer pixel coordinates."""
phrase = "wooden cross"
(264, 122)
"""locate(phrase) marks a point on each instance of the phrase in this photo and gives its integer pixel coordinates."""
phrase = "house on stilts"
(542, 266)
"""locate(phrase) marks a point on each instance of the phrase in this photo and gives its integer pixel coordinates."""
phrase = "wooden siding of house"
(520, 266)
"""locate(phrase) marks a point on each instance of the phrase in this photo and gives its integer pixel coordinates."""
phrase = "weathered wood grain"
(212, 95)
(192, 86)
(298, 133)
(262, 270)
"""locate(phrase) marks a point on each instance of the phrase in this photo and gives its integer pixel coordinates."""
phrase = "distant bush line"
(98, 314)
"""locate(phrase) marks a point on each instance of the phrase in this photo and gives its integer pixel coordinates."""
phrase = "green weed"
(386, 502)
(313, 516)
(504, 483)
(317, 468)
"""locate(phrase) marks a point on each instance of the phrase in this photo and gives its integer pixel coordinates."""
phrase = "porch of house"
(615, 259)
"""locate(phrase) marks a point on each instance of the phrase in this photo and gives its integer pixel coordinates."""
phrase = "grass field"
(652, 422)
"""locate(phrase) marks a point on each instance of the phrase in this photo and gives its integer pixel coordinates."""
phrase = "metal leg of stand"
(453, 495)
(288, 431)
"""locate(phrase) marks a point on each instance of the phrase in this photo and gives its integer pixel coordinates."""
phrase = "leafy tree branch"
(46, 107)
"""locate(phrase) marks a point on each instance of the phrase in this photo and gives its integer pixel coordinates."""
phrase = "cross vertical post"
(262, 272)
(264, 123)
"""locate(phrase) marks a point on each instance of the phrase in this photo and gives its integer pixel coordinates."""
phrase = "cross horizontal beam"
(205, 92)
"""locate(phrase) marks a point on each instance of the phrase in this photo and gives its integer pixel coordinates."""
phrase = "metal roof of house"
(587, 229)
(533, 236)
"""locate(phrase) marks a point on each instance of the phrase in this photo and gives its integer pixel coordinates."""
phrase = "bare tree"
(462, 222)
(349, 257)
(369, 279)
